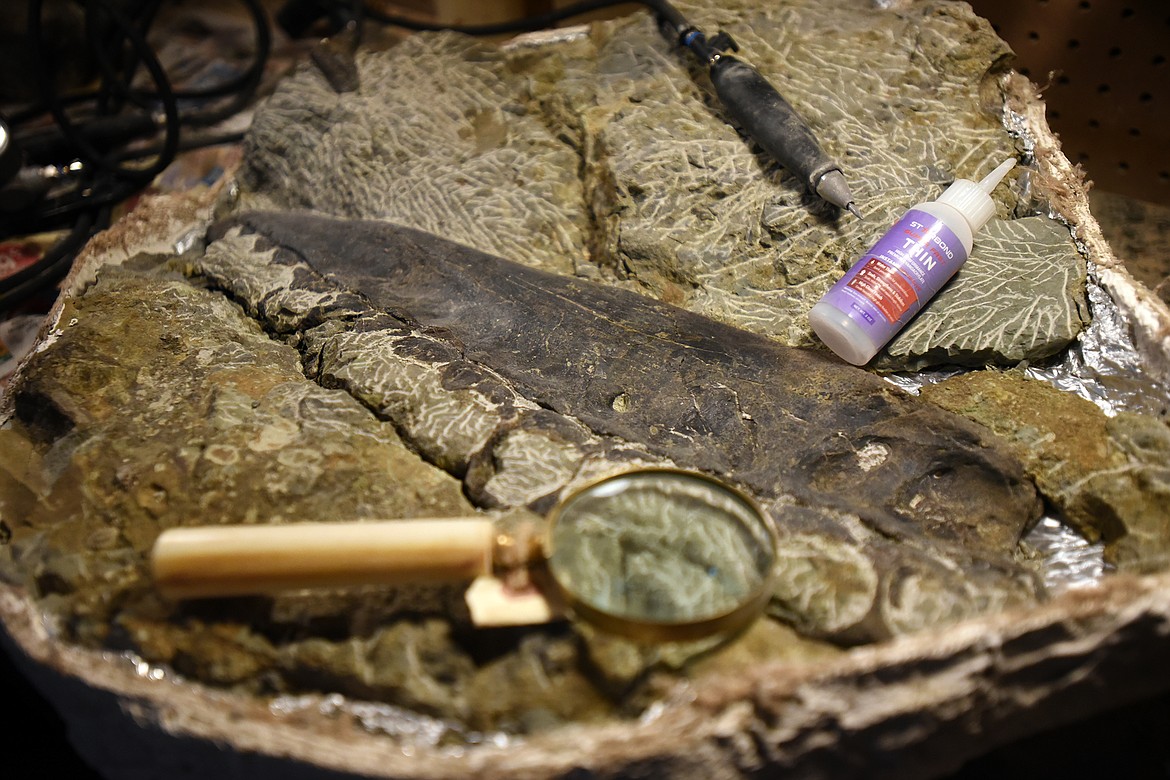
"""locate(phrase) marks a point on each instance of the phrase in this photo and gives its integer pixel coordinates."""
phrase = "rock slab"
(606, 155)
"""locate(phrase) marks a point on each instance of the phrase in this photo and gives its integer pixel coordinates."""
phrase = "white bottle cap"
(973, 200)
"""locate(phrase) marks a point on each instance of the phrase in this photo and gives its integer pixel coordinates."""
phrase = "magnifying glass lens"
(661, 547)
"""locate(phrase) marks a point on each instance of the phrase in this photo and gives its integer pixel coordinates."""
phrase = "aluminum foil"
(1104, 365)
(411, 729)
(1066, 559)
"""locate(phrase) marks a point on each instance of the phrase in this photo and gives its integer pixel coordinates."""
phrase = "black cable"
(249, 79)
(105, 183)
(55, 263)
(144, 12)
(116, 64)
(43, 69)
(674, 24)
(241, 88)
(96, 125)
(526, 24)
(244, 87)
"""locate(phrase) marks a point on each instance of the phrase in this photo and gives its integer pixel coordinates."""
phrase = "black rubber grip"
(769, 119)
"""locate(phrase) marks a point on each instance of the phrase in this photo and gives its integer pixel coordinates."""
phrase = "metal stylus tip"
(832, 187)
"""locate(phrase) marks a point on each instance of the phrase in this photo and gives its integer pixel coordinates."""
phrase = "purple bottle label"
(898, 275)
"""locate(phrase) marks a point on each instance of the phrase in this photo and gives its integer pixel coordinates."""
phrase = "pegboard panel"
(1102, 66)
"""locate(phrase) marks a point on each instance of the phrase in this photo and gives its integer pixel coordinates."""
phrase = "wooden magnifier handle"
(250, 559)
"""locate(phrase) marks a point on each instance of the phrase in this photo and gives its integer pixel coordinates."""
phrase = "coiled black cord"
(111, 172)
(96, 127)
(56, 261)
(113, 90)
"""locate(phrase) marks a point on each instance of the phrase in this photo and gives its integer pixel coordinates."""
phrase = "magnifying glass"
(652, 554)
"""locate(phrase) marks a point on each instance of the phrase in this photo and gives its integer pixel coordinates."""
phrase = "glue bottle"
(904, 269)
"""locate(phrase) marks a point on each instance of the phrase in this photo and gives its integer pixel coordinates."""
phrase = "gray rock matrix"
(606, 155)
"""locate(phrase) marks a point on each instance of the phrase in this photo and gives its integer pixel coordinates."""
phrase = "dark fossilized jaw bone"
(569, 361)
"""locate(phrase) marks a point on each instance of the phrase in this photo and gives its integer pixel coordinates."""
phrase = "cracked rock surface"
(1108, 476)
(607, 155)
(173, 401)
(613, 376)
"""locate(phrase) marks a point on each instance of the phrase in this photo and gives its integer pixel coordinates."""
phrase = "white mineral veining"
(529, 465)
(832, 584)
(872, 455)
(448, 426)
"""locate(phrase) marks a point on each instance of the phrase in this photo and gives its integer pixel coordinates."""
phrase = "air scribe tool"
(746, 95)
(762, 112)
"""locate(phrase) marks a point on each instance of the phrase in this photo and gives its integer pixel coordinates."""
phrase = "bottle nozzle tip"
(991, 180)
(852, 209)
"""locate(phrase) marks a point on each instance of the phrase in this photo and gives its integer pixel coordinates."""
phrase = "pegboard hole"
(1104, 72)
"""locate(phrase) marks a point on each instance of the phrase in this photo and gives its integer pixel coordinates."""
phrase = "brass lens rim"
(725, 623)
